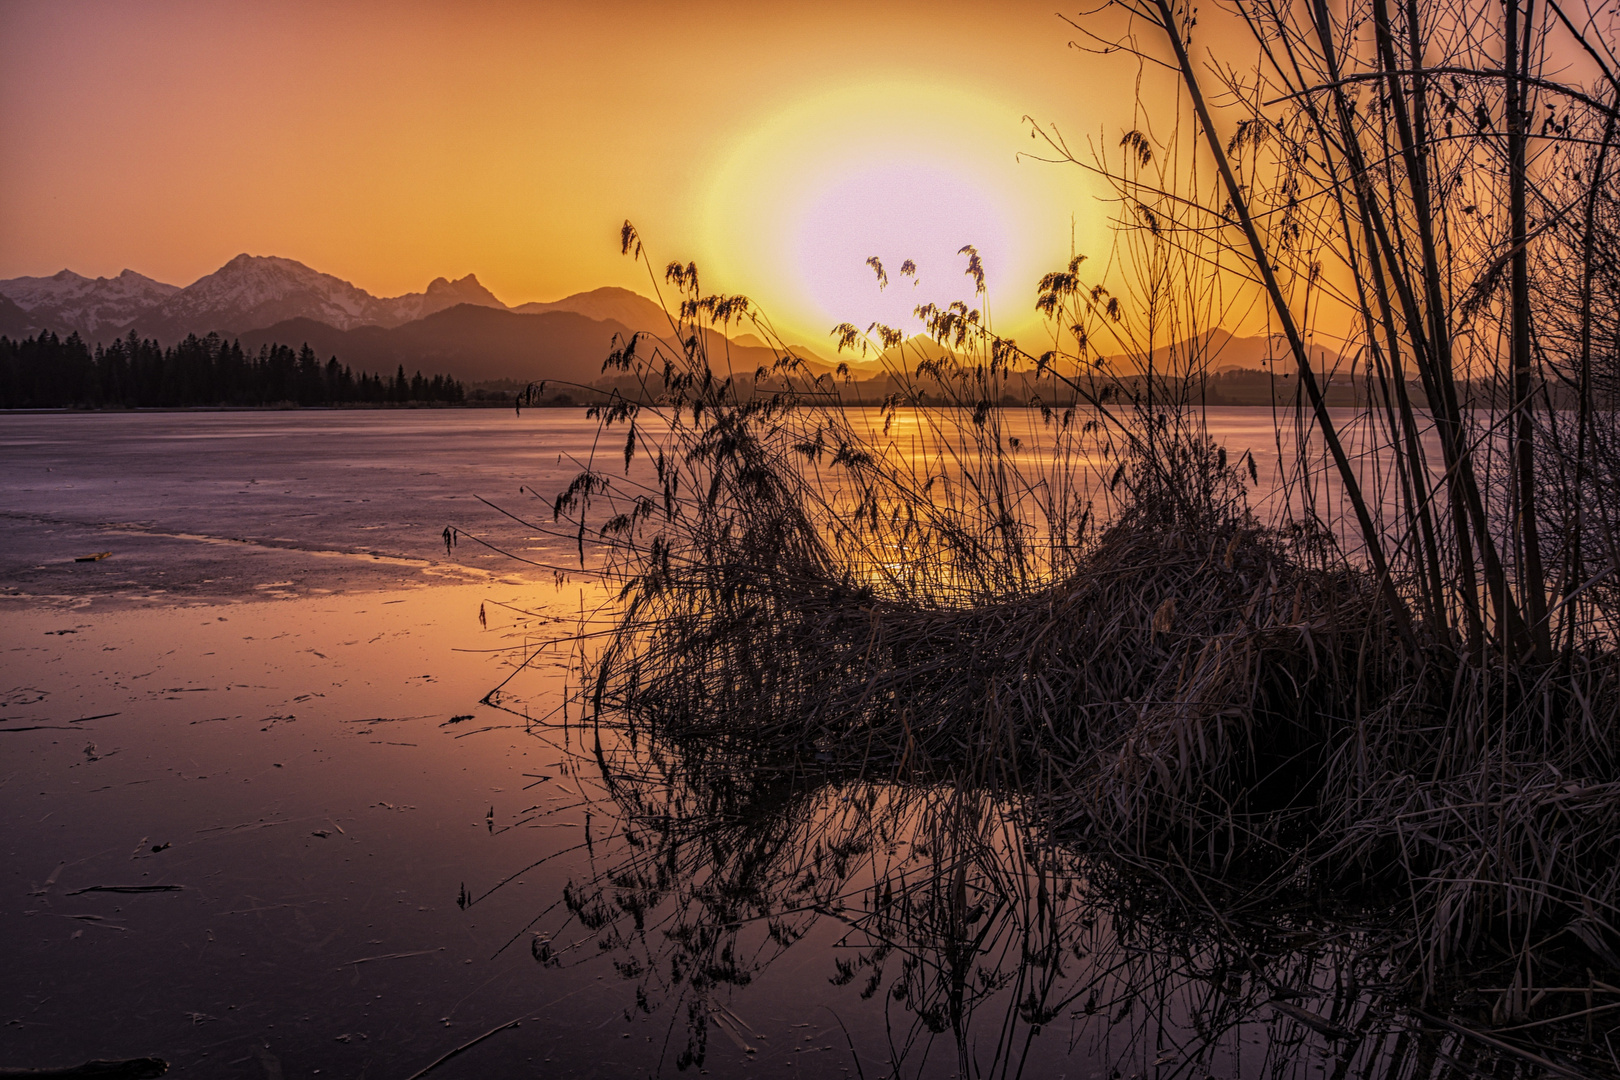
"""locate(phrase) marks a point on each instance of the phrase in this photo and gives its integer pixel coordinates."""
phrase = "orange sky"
(392, 143)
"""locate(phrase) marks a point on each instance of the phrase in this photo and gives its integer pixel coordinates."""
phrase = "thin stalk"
(1296, 343)
(1532, 578)
(1585, 404)
(1441, 381)
(1375, 242)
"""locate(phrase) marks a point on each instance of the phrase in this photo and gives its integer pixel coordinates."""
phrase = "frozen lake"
(260, 825)
(226, 506)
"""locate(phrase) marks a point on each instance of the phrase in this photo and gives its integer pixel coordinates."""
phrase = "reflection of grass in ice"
(973, 928)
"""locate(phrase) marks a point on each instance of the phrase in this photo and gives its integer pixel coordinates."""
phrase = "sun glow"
(899, 212)
(902, 173)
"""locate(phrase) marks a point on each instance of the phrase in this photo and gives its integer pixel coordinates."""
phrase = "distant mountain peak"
(610, 303)
(66, 301)
(280, 263)
(245, 260)
(466, 290)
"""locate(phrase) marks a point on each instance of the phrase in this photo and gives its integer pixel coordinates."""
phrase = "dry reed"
(1403, 687)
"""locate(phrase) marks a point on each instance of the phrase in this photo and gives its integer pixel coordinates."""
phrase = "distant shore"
(413, 407)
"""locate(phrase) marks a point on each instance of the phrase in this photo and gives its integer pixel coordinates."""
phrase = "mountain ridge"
(252, 292)
(482, 344)
(262, 299)
(74, 302)
(265, 299)
(247, 293)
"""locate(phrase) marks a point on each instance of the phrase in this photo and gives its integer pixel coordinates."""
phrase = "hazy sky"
(391, 143)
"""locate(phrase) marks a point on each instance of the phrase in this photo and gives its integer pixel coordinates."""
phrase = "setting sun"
(902, 173)
(897, 213)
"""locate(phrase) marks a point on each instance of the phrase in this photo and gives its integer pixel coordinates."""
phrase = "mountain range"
(458, 327)
(455, 327)
(254, 291)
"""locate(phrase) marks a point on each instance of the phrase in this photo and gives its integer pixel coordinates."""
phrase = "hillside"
(478, 344)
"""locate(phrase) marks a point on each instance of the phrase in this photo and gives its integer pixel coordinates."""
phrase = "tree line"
(47, 371)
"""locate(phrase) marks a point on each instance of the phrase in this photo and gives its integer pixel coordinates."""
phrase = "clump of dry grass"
(1401, 692)
(1184, 679)
(1495, 810)
(1086, 619)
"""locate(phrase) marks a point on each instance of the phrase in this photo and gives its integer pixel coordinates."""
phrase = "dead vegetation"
(1399, 684)
(1088, 620)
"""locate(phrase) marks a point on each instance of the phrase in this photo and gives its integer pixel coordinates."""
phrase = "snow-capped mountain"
(249, 292)
(252, 291)
(67, 301)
